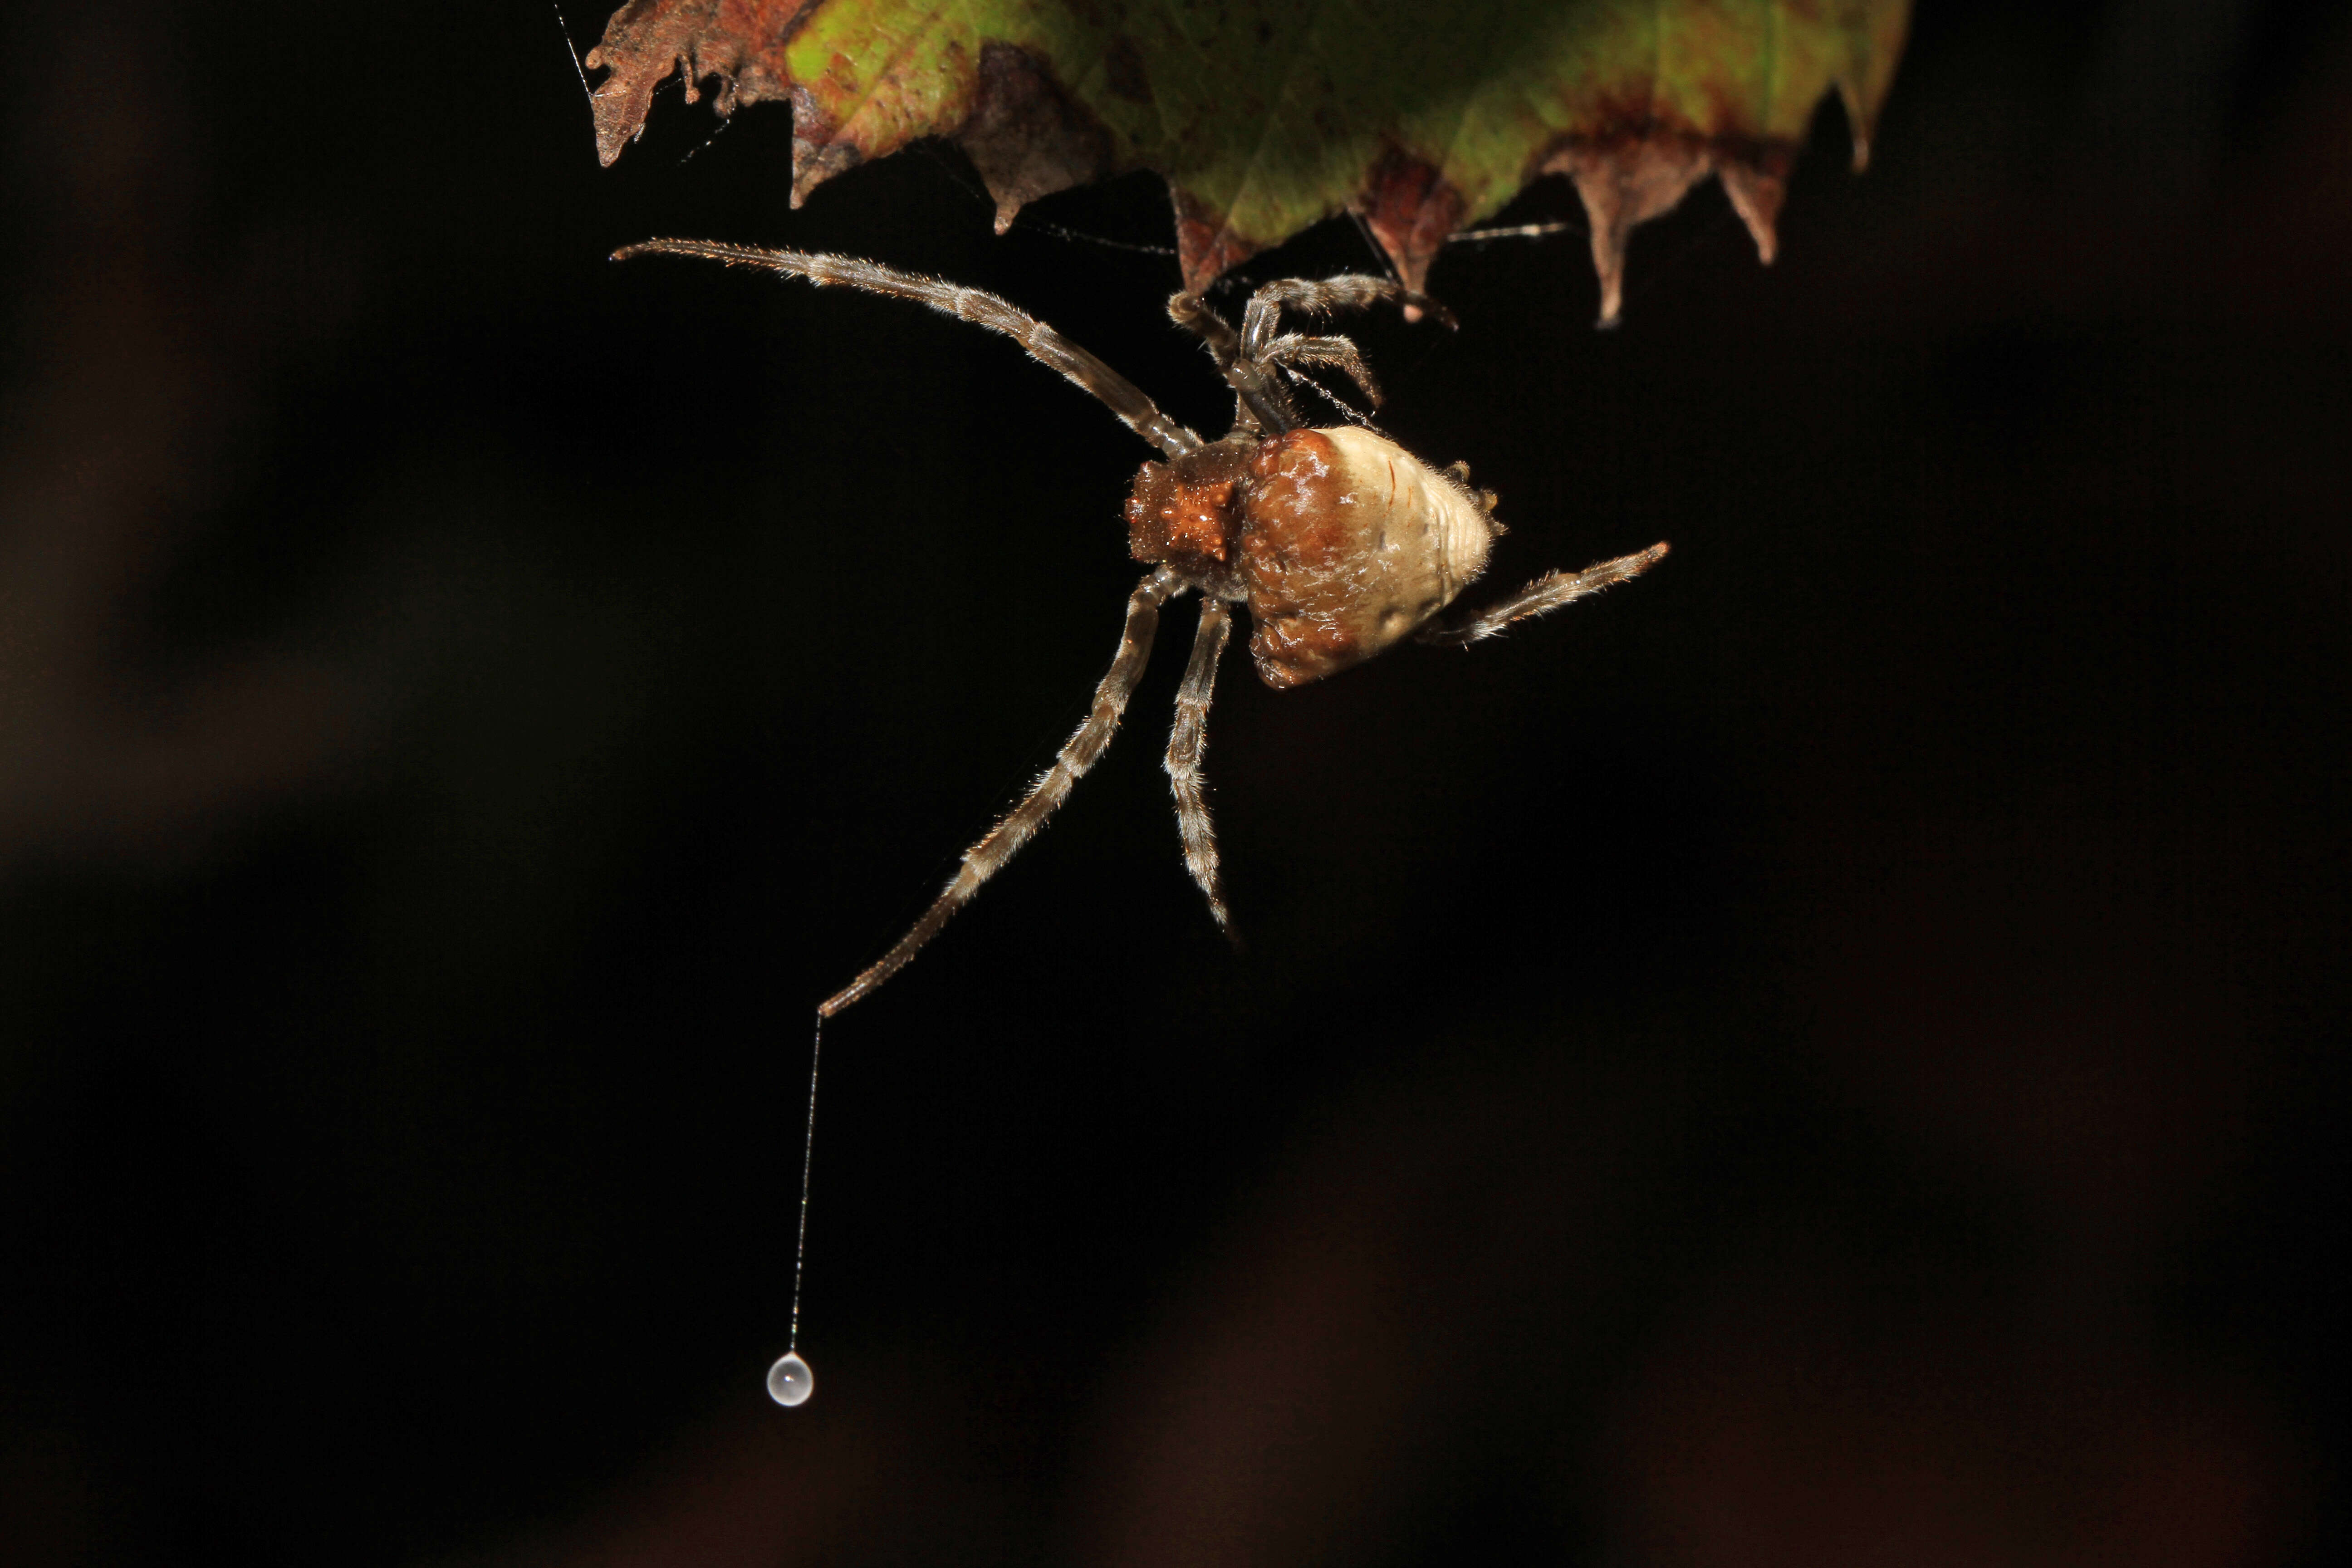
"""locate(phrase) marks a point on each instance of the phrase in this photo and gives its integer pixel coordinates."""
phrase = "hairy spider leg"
(1247, 360)
(1041, 343)
(1260, 403)
(1080, 753)
(1348, 291)
(1334, 352)
(1546, 594)
(1186, 741)
(1198, 316)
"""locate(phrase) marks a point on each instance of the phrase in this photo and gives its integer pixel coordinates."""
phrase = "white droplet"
(790, 1381)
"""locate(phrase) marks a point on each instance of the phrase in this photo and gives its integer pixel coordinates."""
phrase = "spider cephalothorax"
(1340, 541)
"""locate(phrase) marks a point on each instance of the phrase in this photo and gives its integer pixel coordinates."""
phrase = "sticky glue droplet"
(790, 1381)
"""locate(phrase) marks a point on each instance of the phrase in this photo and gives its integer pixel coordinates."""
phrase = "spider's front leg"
(1200, 318)
(1294, 349)
(1546, 594)
(1038, 340)
(1077, 754)
(1186, 741)
(1348, 291)
(1259, 401)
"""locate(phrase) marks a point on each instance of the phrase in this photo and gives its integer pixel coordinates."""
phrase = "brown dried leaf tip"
(1411, 210)
(643, 41)
(1627, 183)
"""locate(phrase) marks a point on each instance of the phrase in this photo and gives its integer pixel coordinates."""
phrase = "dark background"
(1832, 1054)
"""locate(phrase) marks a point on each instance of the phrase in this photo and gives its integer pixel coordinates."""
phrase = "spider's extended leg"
(1348, 291)
(1201, 318)
(1004, 841)
(1044, 345)
(1547, 593)
(1336, 354)
(1185, 743)
(1261, 403)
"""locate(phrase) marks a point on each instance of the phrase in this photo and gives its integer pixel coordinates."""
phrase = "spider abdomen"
(1347, 544)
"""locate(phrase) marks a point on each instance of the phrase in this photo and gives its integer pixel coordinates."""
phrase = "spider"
(1340, 541)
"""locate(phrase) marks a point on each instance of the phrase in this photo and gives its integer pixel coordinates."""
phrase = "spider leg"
(1043, 344)
(1080, 753)
(1546, 594)
(1260, 399)
(1185, 743)
(1348, 291)
(1201, 318)
(1337, 353)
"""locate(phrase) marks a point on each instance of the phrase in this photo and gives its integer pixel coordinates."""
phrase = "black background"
(1830, 1054)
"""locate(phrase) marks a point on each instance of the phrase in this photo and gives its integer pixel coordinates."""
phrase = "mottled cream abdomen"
(1349, 543)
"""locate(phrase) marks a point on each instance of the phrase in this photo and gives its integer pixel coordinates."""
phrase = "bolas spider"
(1339, 541)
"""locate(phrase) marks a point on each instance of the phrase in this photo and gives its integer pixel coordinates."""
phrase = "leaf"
(1266, 116)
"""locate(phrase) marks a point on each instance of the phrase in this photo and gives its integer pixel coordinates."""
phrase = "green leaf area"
(1266, 116)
